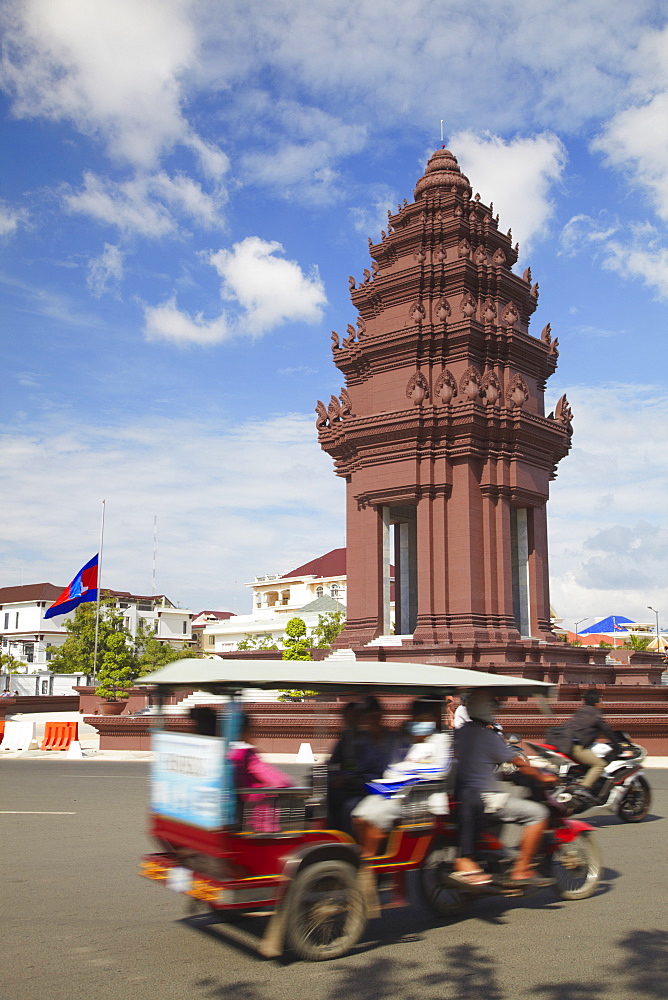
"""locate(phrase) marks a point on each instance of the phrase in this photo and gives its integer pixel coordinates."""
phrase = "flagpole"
(99, 595)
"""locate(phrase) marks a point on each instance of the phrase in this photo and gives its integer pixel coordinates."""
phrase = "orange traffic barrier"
(59, 735)
(2, 728)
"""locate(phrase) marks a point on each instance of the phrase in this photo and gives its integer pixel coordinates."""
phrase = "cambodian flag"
(82, 588)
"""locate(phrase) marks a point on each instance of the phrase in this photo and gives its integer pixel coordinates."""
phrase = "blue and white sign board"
(189, 780)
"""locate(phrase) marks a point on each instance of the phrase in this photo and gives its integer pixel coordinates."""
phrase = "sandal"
(471, 878)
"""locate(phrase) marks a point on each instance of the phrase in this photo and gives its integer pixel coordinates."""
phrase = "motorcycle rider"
(581, 732)
(479, 749)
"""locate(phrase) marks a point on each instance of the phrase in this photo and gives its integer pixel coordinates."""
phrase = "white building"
(25, 634)
(316, 588)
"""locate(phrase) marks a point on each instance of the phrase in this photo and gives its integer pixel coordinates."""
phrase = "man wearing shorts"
(479, 750)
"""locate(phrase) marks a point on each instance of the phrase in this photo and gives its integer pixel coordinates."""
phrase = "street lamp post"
(657, 626)
(580, 623)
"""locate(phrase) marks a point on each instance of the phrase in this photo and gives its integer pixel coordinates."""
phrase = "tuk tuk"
(310, 878)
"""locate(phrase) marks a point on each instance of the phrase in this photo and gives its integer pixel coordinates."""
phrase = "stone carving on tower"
(442, 436)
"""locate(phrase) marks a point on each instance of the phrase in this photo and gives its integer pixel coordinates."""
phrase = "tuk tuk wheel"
(326, 912)
(437, 891)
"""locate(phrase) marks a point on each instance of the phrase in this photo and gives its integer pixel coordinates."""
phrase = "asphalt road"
(78, 924)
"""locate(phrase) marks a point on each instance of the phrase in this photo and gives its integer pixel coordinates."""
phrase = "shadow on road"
(602, 821)
(639, 969)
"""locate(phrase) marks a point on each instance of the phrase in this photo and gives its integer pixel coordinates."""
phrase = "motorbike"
(621, 789)
(568, 860)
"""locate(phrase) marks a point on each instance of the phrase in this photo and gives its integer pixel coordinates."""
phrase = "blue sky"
(185, 190)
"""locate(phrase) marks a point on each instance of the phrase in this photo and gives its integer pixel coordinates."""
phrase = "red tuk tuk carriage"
(311, 878)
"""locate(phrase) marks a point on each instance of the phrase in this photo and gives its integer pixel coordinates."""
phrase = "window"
(212, 640)
(48, 655)
(334, 590)
(29, 651)
(319, 591)
(45, 687)
(17, 620)
(185, 628)
(6, 619)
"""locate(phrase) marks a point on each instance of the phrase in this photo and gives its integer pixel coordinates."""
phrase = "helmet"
(482, 705)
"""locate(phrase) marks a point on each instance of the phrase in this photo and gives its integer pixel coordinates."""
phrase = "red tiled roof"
(30, 592)
(49, 592)
(218, 615)
(331, 564)
(126, 595)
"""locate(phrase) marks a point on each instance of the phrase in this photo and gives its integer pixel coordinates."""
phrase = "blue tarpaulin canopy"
(613, 623)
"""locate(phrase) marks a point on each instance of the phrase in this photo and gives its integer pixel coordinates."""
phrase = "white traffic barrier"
(305, 754)
(19, 734)
(73, 751)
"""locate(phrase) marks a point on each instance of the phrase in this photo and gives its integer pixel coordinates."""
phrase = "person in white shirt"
(461, 713)
(428, 758)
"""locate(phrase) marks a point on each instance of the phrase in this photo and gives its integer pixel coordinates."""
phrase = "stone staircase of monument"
(390, 640)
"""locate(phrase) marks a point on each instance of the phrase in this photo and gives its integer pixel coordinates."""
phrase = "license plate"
(179, 879)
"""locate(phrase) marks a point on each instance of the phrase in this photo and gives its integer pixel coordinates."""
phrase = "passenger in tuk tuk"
(362, 754)
(427, 757)
(483, 798)
(250, 771)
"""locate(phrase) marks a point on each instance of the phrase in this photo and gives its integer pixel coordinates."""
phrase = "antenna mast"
(155, 552)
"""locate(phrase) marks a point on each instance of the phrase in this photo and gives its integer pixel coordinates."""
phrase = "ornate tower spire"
(440, 431)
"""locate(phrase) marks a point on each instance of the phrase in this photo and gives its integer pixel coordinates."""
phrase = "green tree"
(9, 664)
(76, 655)
(296, 646)
(118, 668)
(328, 628)
(261, 641)
(151, 653)
(637, 642)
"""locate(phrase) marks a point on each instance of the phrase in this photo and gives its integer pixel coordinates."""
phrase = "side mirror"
(514, 739)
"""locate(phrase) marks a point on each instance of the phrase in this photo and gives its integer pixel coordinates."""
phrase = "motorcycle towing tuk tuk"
(216, 846)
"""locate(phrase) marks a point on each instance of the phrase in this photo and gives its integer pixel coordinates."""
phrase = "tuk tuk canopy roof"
(335, 675)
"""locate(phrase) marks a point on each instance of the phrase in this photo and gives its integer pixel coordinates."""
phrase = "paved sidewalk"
(89, 740)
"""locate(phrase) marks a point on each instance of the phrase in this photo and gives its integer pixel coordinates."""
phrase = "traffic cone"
(73, 751)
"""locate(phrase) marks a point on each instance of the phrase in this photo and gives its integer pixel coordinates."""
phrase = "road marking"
(33, 812)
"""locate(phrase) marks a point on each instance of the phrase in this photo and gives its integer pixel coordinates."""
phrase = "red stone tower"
(440, 431)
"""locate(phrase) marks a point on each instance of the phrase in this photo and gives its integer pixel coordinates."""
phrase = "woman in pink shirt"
(250, 771)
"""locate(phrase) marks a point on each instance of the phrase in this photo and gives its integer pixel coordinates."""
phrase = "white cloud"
(634, 250)
(111, 67)
(232, 526)
(10, 219)
(150, 205)
(582, 231)
(297, 370)
(302, 162)
(265, 291)
(168, 322)
(372, 218)
(643, 254)
(517, 175)
(498, 61)
(636, 139)
(106, 271)
(270, 290)
(607, 506)
(213, 161)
